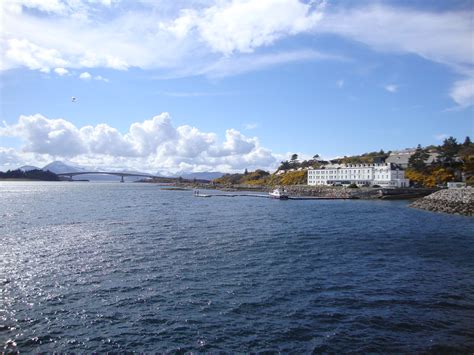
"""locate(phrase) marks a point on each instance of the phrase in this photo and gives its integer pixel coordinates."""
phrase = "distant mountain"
(28, 168)
(208, 175)
(58, 167)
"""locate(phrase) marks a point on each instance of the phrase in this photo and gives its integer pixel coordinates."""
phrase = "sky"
(175, 86)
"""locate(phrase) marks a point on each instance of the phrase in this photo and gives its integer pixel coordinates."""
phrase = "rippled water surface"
(111, 267)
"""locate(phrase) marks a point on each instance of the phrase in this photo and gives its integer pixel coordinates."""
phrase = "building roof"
(402, 157)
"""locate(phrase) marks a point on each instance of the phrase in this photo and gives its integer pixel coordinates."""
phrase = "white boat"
(277, 194)
(198, 194)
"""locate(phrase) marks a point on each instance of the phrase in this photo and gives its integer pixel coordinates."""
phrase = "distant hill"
(208, 175)
(33, 174)
(28, 168)
(58, 167)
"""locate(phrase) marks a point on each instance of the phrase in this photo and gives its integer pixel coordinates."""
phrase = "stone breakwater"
(456, 201)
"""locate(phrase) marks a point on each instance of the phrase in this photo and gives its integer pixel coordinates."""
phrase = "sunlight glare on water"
(115, 267)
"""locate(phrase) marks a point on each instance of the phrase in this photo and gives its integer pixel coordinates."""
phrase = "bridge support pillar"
(121, 179)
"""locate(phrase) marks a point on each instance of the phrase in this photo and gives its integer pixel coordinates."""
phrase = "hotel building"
(383, 174)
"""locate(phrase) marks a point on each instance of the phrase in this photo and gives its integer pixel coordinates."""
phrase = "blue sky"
(175, 86)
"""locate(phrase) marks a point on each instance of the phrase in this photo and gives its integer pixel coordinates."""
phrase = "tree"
(294, 157)
(467, 142)
(417, 161)
(246, 172)
(448, 151)
(316, 157)
(284, 165)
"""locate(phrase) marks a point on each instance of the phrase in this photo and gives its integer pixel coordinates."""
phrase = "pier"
(289, 197)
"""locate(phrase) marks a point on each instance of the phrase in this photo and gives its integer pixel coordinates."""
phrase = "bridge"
(122, 175)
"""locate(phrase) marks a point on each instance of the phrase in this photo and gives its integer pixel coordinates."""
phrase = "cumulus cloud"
(153, 144)
(61, 71)
(85, 76)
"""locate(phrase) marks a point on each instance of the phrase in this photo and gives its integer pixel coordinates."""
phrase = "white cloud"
(25, 53)
(391, 88)
(217, 38)
(85, 76)
(243, 26)
(147, 39)
(88, 76)
(101, 78)
(441, 137)
(153, 144)
(61, 71)
(441, 37)
(44, 136)
(462, 92)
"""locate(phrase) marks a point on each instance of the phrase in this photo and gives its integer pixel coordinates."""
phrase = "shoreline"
(365, 193)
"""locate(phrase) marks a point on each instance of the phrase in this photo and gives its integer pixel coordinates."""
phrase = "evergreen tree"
(417, 160)
(467, 142)
(294, 161)
(284, 165)
(246, 172)
(448, 151)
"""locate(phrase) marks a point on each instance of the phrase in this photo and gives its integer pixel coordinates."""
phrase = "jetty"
(289, 197)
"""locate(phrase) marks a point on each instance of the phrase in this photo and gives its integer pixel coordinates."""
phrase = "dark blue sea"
(116, 267)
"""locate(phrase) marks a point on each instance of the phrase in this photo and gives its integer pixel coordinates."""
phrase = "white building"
(384, 175)
(456, 185)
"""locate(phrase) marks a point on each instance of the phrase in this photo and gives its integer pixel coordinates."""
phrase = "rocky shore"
(455, 201)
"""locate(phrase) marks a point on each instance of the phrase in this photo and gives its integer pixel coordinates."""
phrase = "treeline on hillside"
(316, 161)
(295, 164)
(35, 174)
(455, 162)
(263, 178)
(366, 158)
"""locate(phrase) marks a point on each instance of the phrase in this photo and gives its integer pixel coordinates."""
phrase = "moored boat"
(198, 194)
(279, 195)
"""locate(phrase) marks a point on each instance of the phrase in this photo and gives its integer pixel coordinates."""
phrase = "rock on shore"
(456, 201)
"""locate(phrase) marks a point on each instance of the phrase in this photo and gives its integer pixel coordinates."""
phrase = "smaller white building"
(384, 175)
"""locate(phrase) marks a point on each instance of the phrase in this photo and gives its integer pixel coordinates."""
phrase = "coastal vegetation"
(35, 174)
(454, 162)
(264, 178)
(429, 167)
